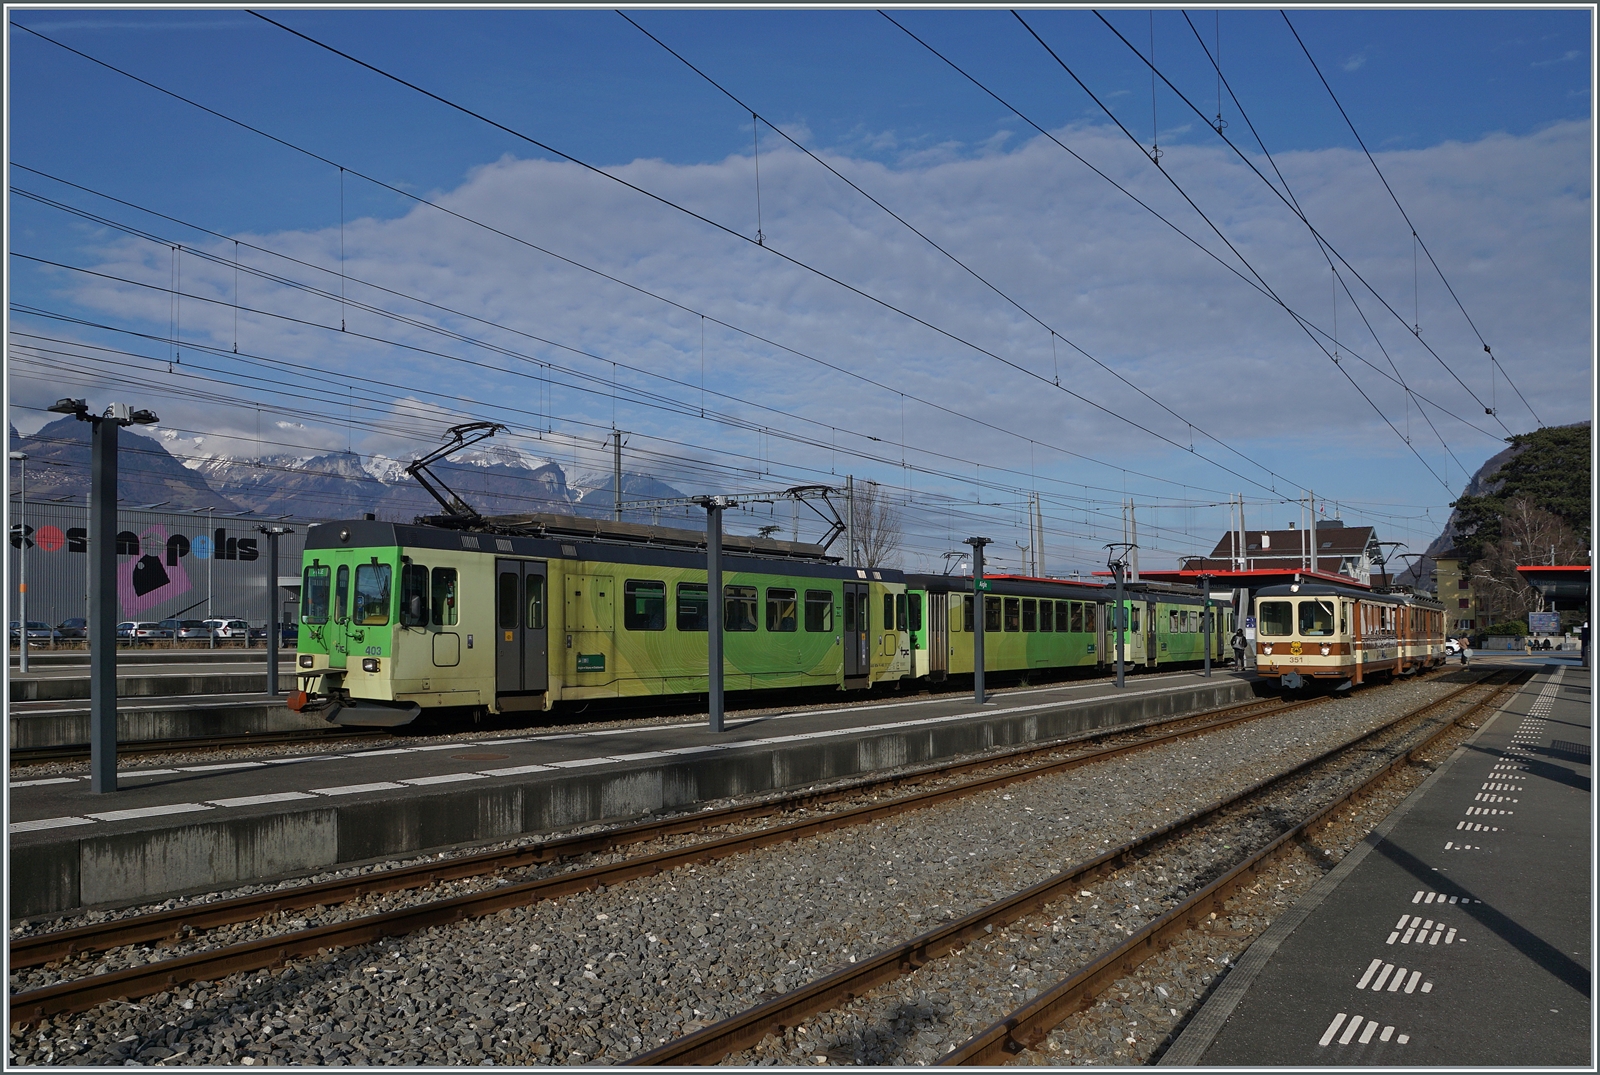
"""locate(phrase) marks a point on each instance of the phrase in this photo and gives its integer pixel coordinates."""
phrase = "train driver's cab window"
(644, 605)
(372, 594)
(782, 614)
(739, 608)
(413, 595)
(1276, 618)
(693, 607)
(819, 610)
(1030, 614)
(341, 594)
(445, 612)
(314, 604)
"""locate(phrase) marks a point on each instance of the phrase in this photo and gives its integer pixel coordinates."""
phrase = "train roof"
(1059, 589)
(1310, 589)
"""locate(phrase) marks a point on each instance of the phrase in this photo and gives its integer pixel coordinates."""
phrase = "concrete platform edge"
(1208, 1022)
(55, 875)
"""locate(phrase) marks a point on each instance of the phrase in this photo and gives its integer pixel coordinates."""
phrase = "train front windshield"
(1316, 619)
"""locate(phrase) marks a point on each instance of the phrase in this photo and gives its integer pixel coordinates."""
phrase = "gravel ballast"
(599, 976)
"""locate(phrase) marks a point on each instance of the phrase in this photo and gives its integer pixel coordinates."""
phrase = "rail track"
(1031, 1022)
(165, 926)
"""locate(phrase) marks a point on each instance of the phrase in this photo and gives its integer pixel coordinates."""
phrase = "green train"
(396, 619)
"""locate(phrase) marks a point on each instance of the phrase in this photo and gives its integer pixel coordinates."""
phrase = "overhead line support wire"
(1201, 247)
(1178, 187)
(1417, 238)
(745, 238)
(1056, 379)
(1295, 209)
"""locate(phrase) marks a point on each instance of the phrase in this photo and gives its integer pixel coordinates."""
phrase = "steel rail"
(1030, 1023)
(158, 926)
(712, 1043)
(83, 993)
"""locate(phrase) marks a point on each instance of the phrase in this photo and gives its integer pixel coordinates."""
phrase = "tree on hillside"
(1550, 471)
(1528, 535)
(877, 525)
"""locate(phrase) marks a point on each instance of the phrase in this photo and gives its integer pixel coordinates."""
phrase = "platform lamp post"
(274, 631)
(714, 506)
(980, 622)
(103, 580)
(22, 558)
(1118, 563)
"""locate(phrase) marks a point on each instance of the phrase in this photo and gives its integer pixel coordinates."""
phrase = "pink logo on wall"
(150, 580)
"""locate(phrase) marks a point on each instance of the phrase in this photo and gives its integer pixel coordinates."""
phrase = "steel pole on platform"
(979, 619)
(103, 606)
(22, 559)
(1205, 595)
(714, 506)
(1118, 563)
(274, 627)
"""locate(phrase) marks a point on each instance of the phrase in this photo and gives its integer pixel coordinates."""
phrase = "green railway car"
(1045, 625)
(397, 619)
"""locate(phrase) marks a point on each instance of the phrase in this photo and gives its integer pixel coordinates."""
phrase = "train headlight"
(369, 664)
(1325, 649)
(1267, 649)
(306, 660)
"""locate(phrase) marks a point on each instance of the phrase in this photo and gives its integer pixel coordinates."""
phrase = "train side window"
(644, 605)
(413, 595)
(314, 606)
(991, 614)
(1030, 614)
(781, 612)
(693, 607)
(341, 595)
(1077, 617)
(510, 599)
(888, 612)
(1013, 614)
(1344, 617)
(535, 596)
(445, 613)
(901, 619)
(1133, 624)
(914, 603)
(967, 605)
(864, 621)
(819, 610)
(849, 613)
(1276, 618)
(739, 608)
(1047, 615)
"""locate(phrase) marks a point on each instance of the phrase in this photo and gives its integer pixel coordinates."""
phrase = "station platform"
(1457, 935)
(198, 828)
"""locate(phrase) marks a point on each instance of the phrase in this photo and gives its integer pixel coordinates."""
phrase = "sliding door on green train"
(522, 644)
(857, 616)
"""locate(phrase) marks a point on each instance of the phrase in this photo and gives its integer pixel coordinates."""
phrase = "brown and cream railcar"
(1341, 636)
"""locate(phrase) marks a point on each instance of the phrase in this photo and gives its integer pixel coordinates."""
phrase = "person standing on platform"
(1237, 642)
(1466, 652)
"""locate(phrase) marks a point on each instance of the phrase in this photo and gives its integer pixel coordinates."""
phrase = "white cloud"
(1508, 218)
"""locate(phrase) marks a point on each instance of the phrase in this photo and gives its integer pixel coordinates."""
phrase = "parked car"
(146, 631)
(1452, 646)
(77, 627)
(125, 630)
(229, 628)
(288, 634)
(37, 632)
(189, 630)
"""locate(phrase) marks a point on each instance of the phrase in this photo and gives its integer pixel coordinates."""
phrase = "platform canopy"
(1560, 585)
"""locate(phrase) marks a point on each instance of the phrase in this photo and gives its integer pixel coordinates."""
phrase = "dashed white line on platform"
(357, 789)
(442, 778)
(47, 823)
(149, 811)
(262, 800)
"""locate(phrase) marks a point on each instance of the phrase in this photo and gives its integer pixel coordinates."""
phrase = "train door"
(1151, 650)
(857, 656)
(938, 636)
(521, 647)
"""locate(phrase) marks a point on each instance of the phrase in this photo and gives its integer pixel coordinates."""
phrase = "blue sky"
(1482, 119)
